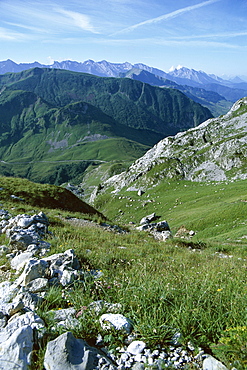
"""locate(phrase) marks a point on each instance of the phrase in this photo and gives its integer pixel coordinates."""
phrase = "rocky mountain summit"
(213, 151)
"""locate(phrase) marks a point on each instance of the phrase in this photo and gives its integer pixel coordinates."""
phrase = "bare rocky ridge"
(213, 151)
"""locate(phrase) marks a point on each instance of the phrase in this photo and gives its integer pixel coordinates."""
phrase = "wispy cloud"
(214, 35)
(9, 35)
(79, 20)
(167, 16)
(26, 27)
(167, 42)
(50, 18)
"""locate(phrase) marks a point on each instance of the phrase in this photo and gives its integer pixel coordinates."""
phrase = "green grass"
(42, 195)
(66, 165)
(163, 287)
(217, 212)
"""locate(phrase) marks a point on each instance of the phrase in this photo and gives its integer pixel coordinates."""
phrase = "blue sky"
(208, 35)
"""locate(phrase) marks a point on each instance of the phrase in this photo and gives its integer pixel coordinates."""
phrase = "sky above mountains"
(206, 35)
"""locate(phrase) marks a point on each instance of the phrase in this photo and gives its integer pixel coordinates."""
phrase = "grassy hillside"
(55, 145)
(23, 193)
(217, 212)
(195, 288)
(53, 119)
(29, 123)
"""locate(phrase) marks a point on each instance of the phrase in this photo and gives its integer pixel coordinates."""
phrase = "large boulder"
(15, 352)
(30, 319)
(149, 218)
(66, 352)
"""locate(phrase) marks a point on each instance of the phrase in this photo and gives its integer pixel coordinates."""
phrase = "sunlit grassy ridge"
(163, 287)
(42, 195)
(216, 211)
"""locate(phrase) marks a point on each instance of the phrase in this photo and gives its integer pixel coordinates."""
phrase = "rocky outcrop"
(213, 151)
(160, 230)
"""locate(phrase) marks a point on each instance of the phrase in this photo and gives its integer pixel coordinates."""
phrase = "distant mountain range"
(211, 91)
(180, 75)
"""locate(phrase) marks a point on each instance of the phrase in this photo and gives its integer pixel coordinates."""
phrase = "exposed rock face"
(16, 350)
(216, 150)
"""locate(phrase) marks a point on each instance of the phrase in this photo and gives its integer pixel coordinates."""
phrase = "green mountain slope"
(216, 103)
(31, 128)
(41, 141)
(131, 103)
(23, 193)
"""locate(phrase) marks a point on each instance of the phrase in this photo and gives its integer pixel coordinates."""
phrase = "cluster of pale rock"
(21, 329)
(160, 230)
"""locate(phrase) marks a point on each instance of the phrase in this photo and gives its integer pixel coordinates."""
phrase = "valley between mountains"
(123, 219)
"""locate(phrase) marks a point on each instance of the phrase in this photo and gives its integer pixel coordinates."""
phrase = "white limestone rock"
(150, 218)
(30, 300)
(8, 291)
(21, 239)
(3, 320)
(15, 352)
(66, 352)
(34, 269)
(24, 221)
(210, 363)
(67, 258)
(115, 321)
(29, 319)
(136, 347)
(162, 226)
(68, 277)
(20, 260)
(69, 324)
(13, 307)
(38, 285)
(61, 315)
(162, 235)
(138, 366)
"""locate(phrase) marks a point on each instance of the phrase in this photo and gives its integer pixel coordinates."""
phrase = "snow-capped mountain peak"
(172, 69)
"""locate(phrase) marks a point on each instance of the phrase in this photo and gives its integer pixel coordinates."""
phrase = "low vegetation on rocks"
(183, 299)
